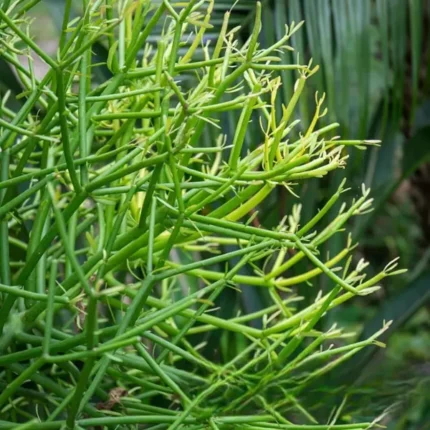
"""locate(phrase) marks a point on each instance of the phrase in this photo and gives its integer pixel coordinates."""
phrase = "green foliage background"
(375, 71)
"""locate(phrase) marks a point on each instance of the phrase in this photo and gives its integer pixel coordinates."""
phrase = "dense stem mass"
(127, 215)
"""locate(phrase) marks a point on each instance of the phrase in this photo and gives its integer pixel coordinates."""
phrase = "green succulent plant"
(125, 216)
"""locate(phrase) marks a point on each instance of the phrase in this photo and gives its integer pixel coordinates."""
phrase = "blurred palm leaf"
(371, 56)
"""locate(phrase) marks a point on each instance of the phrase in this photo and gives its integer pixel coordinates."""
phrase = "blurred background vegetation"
(375, 71)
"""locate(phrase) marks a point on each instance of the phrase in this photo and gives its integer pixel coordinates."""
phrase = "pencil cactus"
(103, 182)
